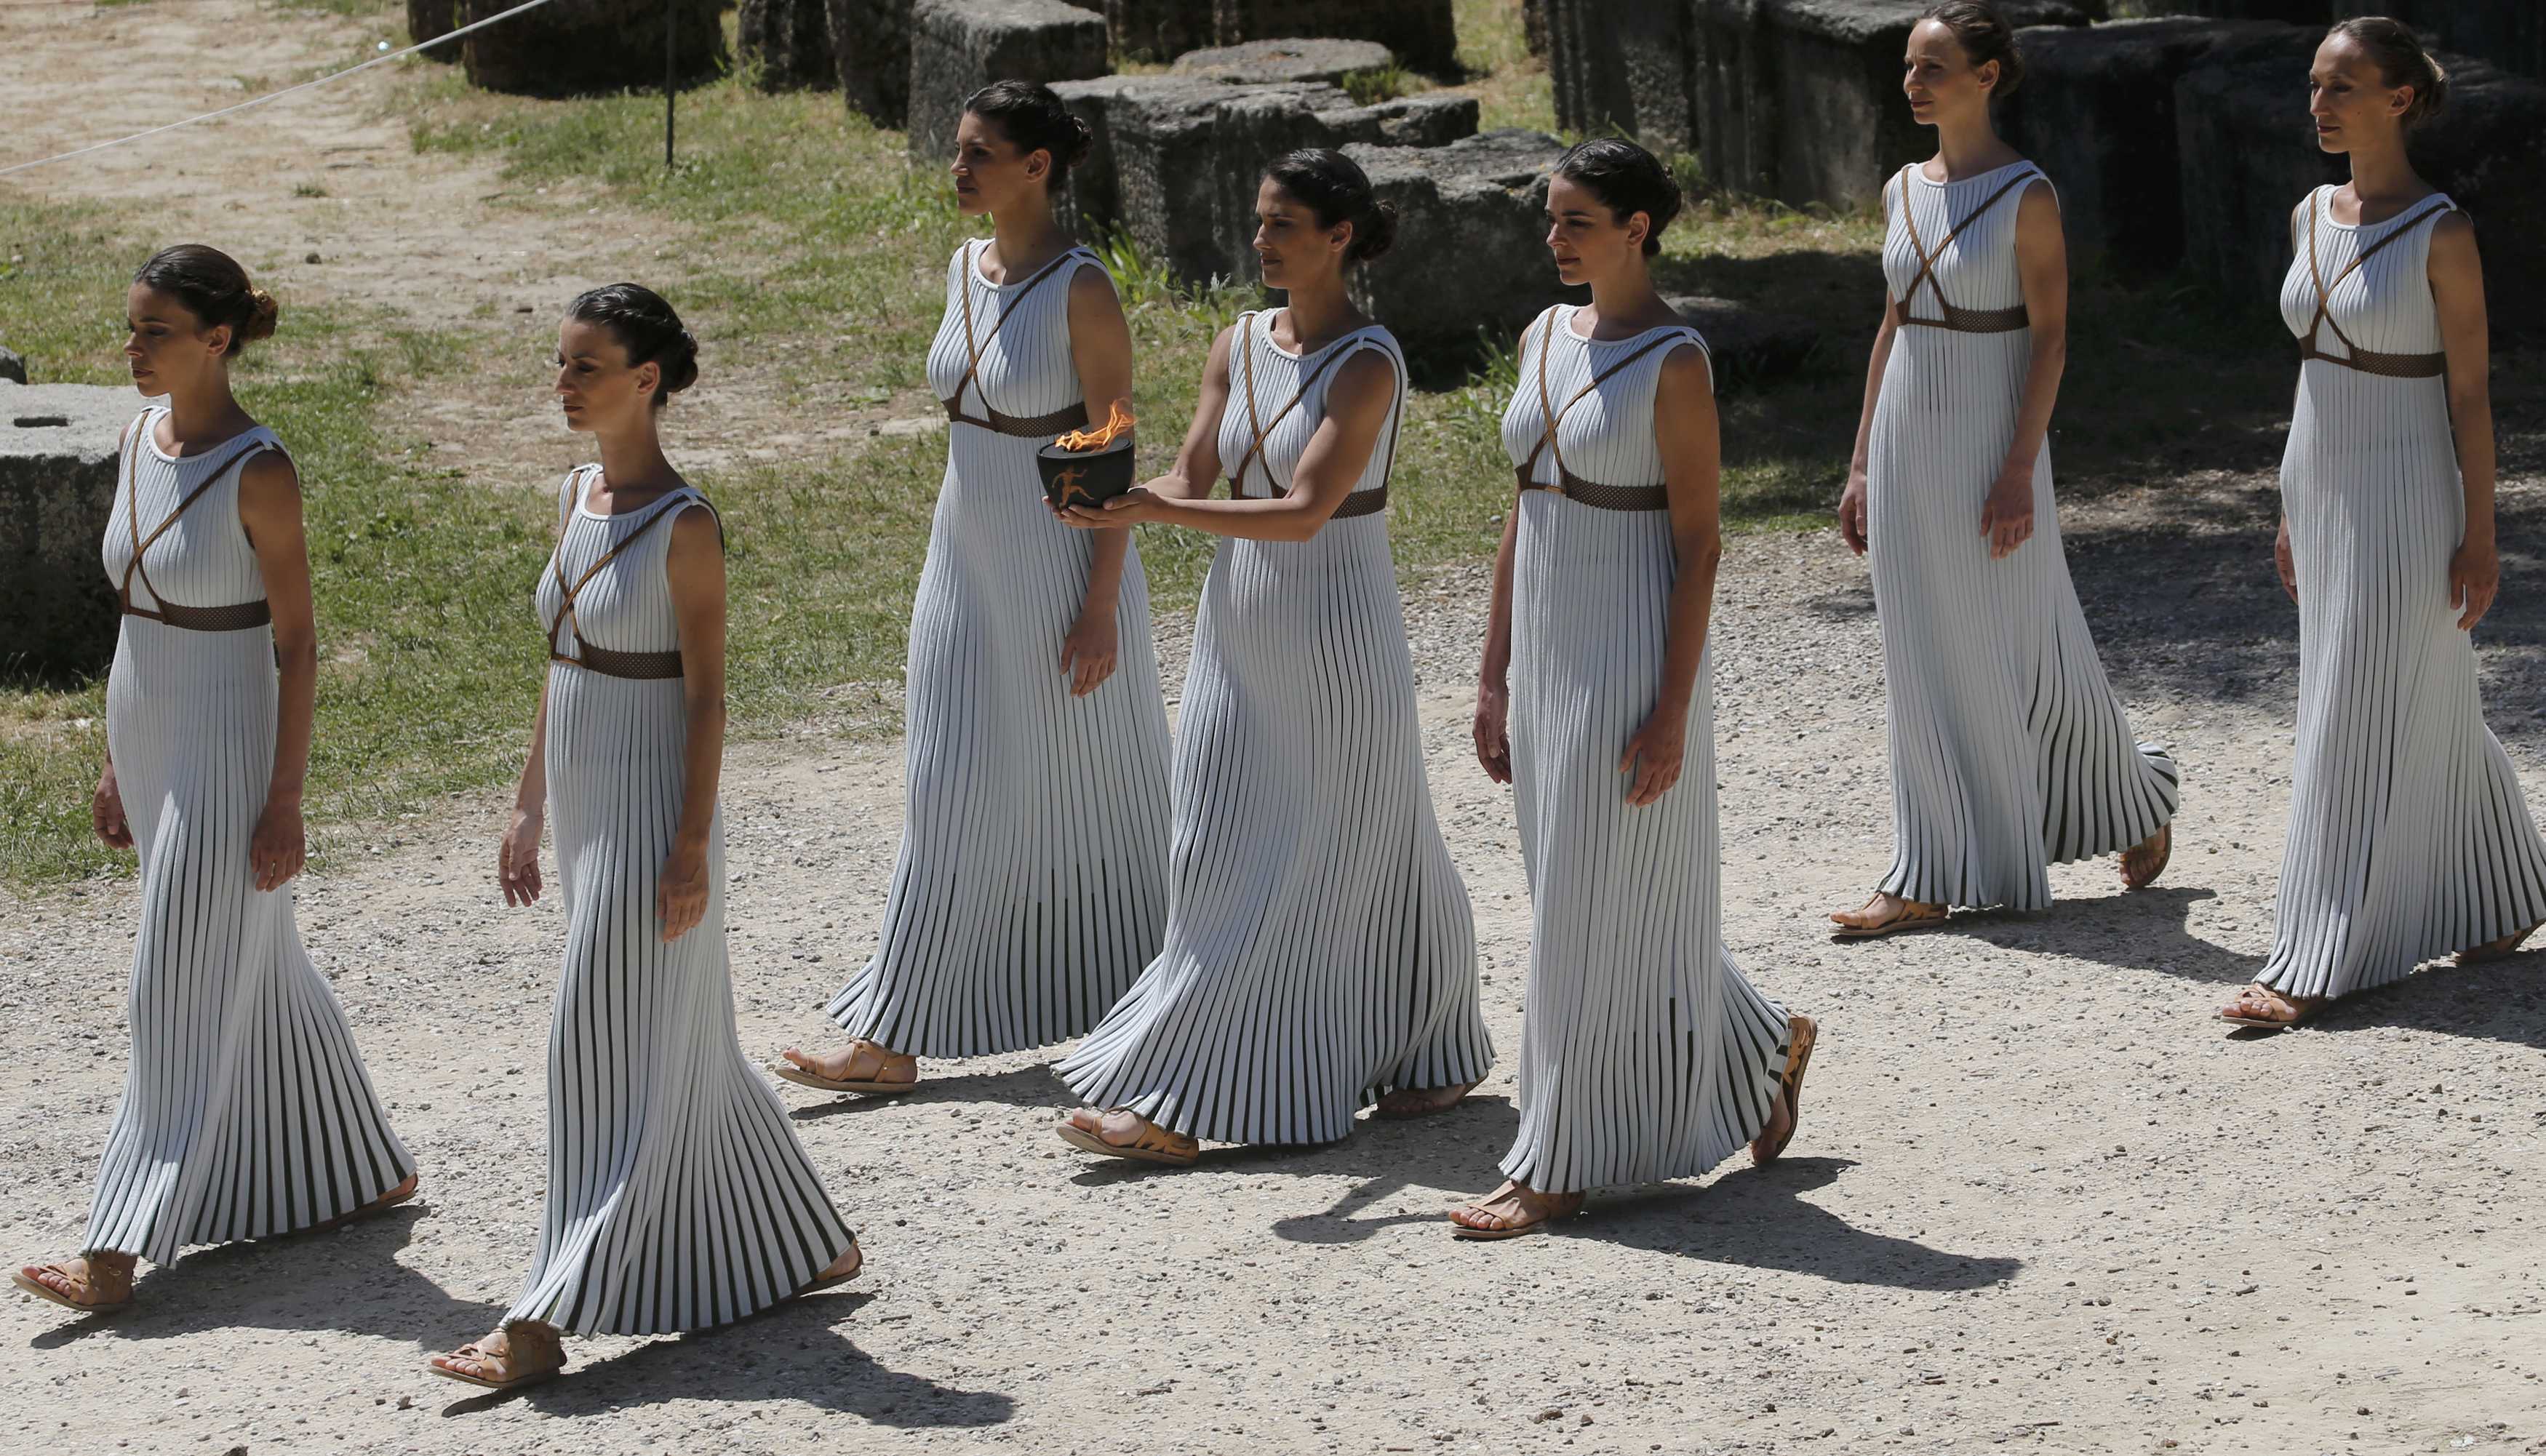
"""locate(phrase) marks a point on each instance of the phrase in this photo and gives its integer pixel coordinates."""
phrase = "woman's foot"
(1407, 1102)
(1886, 914)
(2142, 862)
(1803, 1034)
(839, 1270)
(860, 1067)
(377, 1206)
(521, 1353)
(2261, 1006)
(1512, 1209)
(90, 1283)
(1120, 1131)
(2495, 950)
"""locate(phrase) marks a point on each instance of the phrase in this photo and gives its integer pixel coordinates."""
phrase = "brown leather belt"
(1604, 497)
(237, 617)
(1965, 320)
(2385, 365)
(1042, 426)
(1358, 503)
(634, 666)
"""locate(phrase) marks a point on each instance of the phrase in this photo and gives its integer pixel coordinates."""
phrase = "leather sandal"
(372, 1210)
(2164, 836)
(2301, 1008)
(80, 1279)
(1912, 915)
(1154, 1143)
(1802, 1033)
(819, 1284)
(1415, 1102)
(1553, 1206)
(2495, 950)
(477, 1353)
(862, 1053)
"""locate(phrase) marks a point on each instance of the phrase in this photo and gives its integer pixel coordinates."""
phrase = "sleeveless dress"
(1031, 886)
(677, 1196)
(1645, 1054)
(247, 1111)
(1319, 951)
(2009, 751)
(2408, 838)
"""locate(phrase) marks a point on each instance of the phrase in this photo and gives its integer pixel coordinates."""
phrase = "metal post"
(671, 72)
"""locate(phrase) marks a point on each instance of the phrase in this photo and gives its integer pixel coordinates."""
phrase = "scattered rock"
(1259, 62)
(57, 468)
(958, 47)
(310, 256)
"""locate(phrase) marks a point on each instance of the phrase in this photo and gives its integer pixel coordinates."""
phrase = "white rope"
(286, 91)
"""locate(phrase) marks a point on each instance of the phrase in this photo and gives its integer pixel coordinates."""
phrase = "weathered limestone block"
(1175, 160)
(1631, 67)
(959, 46)
(428, 20)
(1748, 344)
(870, 47)
(1158, 29)
(2510, 33)
(2096, 112)
(12, 366)
(574, 47)
(1800, 100)
(790, 41)
(56, 490)
(2295, 12)
(1265, 62)
(1470, 245)
(1418, 32)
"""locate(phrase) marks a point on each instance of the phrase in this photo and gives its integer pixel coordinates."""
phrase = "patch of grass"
(1380, 83)
(1512, 86)
(307, 189)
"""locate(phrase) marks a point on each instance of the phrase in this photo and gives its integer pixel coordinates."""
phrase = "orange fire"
(1117, 420)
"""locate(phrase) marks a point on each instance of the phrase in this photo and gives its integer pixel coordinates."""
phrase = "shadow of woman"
(1024, 1086)
(787, 1353)
(1755, 1219)
(1447, 1149)
(342, 1280)
(2132, 929)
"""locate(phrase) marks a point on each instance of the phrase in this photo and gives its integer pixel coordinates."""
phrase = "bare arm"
(1851, 503)
(1100, 346)
(694, 566)
(517, 855)
(1196, 467)
(1358, 400)
(269, 506)
(2457, 293)
(106, 806)
(1684, 426)
(1491, 728)
(2042, 263)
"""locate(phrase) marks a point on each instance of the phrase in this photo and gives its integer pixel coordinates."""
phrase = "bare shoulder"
(1367, 373)
(696, 525)
(269, 476)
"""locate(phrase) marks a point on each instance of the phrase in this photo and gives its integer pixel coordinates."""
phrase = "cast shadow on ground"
(1024, 1086)
(2133, 929)
(346, 1279)
(789, 1353)
(2498, 1001)
(1756, 1218)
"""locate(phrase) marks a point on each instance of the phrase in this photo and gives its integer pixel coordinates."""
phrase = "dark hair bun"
(1335, 188)
(646, 327)
(1033, 118)
(212, 286)
(1627, 179)
(2398, 53)
(1984, 37)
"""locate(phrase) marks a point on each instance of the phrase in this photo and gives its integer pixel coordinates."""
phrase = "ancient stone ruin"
(578, 46)
(958, 47)
(1418, 33)
(57, 445)
(786, 44)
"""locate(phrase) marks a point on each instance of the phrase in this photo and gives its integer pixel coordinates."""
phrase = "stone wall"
(1471, 247)
(958, 47)
(871, 47)
(57, 446)
(787, 43)
(428, 19)
(1631, 67)
(580, 46)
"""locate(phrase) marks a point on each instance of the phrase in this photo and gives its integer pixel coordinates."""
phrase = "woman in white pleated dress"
(2010, 752)
(1645, 1054)
(246, 1110)
(2409, 837)
(678, 1197)
(1031, 886)
(1320, 951)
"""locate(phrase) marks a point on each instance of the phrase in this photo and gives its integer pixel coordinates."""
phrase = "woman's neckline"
(151, 437)
(2407, 210)
(1574, 311)
(1305, 354)
(977, 254)
(1919, 171)
(583, 499)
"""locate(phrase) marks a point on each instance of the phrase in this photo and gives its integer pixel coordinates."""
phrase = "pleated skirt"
(1319, 950)
(247, 1111)
(2409, 837)
(2010, 752)
(678, 1196)
(1645, 1054)
(1031, 886)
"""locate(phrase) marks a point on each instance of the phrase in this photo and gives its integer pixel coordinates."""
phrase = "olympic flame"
(1117, 420)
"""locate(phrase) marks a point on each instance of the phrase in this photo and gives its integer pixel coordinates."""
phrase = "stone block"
(1418, 32)
(12, 366)
(2096, 112)
(428, 20)
(1265, 62)
(1800, 100)
(573, 47)
(959, 46)
(1471, 246)
(1176, 160)
(1746, 344)
(1629, 68)
(2289, 12)
(57, 466)
(2510, 33)
(871, 47)
(1533, 26)
(1158, 29)
(787, 43)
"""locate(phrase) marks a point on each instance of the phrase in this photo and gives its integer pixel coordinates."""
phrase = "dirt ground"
(2038, 1199)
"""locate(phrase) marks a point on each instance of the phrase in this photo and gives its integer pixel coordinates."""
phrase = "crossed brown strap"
(609, 661)
(1059, 420)
(1256, 421)
(1960, 320)
(1567, 484)
(2367, 361)
(236, 617)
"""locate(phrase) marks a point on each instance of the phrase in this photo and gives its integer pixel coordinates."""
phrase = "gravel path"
(2038, 1198)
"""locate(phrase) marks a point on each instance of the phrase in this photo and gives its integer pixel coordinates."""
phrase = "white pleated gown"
(1031, 885)
(2009, 750)
(1319, 950)
(2408, 838)
(1645, 1054)
(678, 1196)
(247, 1111)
